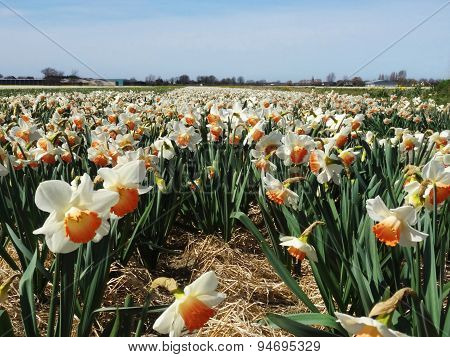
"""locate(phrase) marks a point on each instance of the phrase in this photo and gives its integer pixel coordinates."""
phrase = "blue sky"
(257, 39)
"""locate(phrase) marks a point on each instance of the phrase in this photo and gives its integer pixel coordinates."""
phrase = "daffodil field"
(354, 187)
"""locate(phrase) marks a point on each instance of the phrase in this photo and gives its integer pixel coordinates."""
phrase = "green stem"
(53, 299)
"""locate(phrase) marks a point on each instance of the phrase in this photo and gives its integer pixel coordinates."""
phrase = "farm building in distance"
(65, 81)
(381, 83)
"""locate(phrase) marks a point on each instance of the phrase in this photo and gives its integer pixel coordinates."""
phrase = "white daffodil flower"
(326, 166)
(185, 137)
(192, 307)
(366, 327)
(295, 149)
(299, 248)
(277, 192)
(78, 214)
(164, 147)
(125, 180)
(434, 174)
(394, 225)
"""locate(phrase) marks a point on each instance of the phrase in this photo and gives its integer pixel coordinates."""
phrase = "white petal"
(376, 209)
(350, 323)
(287, 238)
(177, 326)
(410, 236)
(110, 177)
(412, 187)
(132, 173)
(164, 322)
(144, 190)
(406, 214)
(212, 299)
(433, 170)
(102, 201)
(51, 225)
(84, 191)
(53, 195)
(102, 231)
(205, 284)
(59, 243)
(323, 177)
(310, 252)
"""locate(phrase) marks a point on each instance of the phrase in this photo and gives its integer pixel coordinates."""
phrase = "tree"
(331, 77)
(150, 78)
(358, 82)
(159, 81)
(52, 73)
(401, 76)
(184, 79)
(1, 75)
(212, 79)
(241, 80)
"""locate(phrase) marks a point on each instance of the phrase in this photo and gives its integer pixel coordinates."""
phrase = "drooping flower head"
(278, 192)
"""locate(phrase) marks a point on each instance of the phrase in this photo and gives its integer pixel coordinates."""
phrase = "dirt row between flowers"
(252, 287)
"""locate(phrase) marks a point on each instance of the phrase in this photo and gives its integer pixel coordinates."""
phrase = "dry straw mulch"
(245, 276)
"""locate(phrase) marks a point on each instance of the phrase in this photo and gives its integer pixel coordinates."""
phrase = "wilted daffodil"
(78, 214)
(192, 307)
(394, 225)
(125, 180)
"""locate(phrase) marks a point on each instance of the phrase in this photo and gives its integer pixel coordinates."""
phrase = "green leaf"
(132, 310)
(26, 290)
(6, 329)
(296, 328)
(280, 269)
(314, 319)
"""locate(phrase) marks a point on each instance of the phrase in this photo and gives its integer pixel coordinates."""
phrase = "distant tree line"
(54, 76)
(401, 78)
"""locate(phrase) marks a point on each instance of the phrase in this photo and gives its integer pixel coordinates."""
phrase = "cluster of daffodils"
(79, 214)
(424, 189)
(122, 139)
(319, 131)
